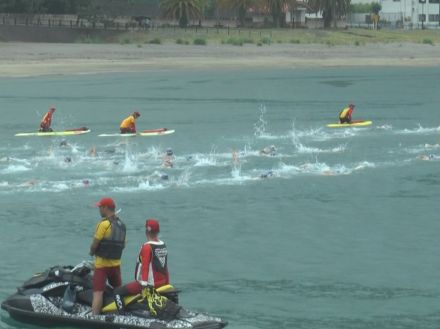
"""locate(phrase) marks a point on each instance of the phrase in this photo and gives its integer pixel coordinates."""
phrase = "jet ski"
(62, 295)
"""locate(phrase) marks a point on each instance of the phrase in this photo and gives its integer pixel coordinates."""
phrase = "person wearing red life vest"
(47, 121)
(151, 267)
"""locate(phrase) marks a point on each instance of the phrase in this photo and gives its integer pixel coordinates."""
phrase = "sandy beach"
(33, 59)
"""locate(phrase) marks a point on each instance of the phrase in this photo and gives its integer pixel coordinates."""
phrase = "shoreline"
(37, 59)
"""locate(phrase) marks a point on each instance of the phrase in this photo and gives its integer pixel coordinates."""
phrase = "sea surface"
(339, 229)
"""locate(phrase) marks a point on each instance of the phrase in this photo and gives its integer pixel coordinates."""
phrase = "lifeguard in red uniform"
(47, 121)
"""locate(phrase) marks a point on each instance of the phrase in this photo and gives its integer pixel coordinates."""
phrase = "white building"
(408, 13)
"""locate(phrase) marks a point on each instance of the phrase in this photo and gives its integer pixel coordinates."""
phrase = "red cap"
(152, 225)
(106, 202)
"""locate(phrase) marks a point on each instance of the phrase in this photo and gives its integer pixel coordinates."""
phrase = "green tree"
(331, 10)
(182, 10)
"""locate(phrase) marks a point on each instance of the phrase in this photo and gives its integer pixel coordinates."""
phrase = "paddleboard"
(69, 132)
(358, 123)
(156, 132)
(144, 133)
(117, 135)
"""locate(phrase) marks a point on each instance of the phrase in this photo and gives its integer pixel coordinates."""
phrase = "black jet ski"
(62, 295)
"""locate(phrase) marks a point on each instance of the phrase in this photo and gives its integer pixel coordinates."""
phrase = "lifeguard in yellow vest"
(128, 125)
(345, 114)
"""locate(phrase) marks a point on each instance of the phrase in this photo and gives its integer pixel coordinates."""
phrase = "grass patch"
(199, 42)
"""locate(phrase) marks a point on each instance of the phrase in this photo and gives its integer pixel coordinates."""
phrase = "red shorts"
(133, 288)
(101, 275)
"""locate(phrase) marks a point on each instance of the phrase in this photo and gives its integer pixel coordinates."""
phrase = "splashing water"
(261, 125)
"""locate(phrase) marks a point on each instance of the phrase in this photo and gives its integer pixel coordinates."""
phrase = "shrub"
(428, 42)
(199, 42)
(235, 41)
(155, 41)
(259, 44)
(357, 43)
(297, 41)
(266, 40)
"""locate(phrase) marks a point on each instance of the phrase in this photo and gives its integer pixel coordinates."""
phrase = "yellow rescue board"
(353, 124)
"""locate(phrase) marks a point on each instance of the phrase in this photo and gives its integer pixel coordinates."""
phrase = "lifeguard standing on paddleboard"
(47, 121)
(128, 125)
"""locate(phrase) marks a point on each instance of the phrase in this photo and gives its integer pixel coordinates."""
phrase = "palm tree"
(240, 5)
(331, 9)
(183, 10)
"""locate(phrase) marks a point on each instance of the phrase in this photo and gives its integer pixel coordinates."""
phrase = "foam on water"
(419, 131)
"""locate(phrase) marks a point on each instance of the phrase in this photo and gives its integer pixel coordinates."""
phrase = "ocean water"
(342, 233)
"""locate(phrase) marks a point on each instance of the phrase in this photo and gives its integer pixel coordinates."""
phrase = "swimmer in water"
(270, 150)
(267, 174)
(426, 157)
(168, 158)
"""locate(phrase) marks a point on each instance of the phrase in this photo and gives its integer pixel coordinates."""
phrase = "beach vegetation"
(181, 41)
(295, 41)
(199, 42)
(155, 41)
(428, 42)
(266, 40)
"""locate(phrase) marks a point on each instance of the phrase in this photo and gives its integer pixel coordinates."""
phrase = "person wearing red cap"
(128, 125)
(152, 264)
(345, 114)
(107, 246)
(47, 121)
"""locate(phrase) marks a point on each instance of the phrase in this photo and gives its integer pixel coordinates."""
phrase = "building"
(403, 13)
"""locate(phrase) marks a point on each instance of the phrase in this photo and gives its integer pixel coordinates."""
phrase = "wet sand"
(33, 59)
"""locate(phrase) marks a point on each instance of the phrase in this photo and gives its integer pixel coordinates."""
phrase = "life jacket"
(128, 123)
(159, 264)
(47, 120)
(111, 247)
(344, 113)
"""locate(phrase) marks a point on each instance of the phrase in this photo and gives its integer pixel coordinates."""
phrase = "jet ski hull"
(40, 302)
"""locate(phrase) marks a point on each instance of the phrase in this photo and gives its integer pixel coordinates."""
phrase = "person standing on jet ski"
(107, 246)
(152, 264)
(345, 114)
